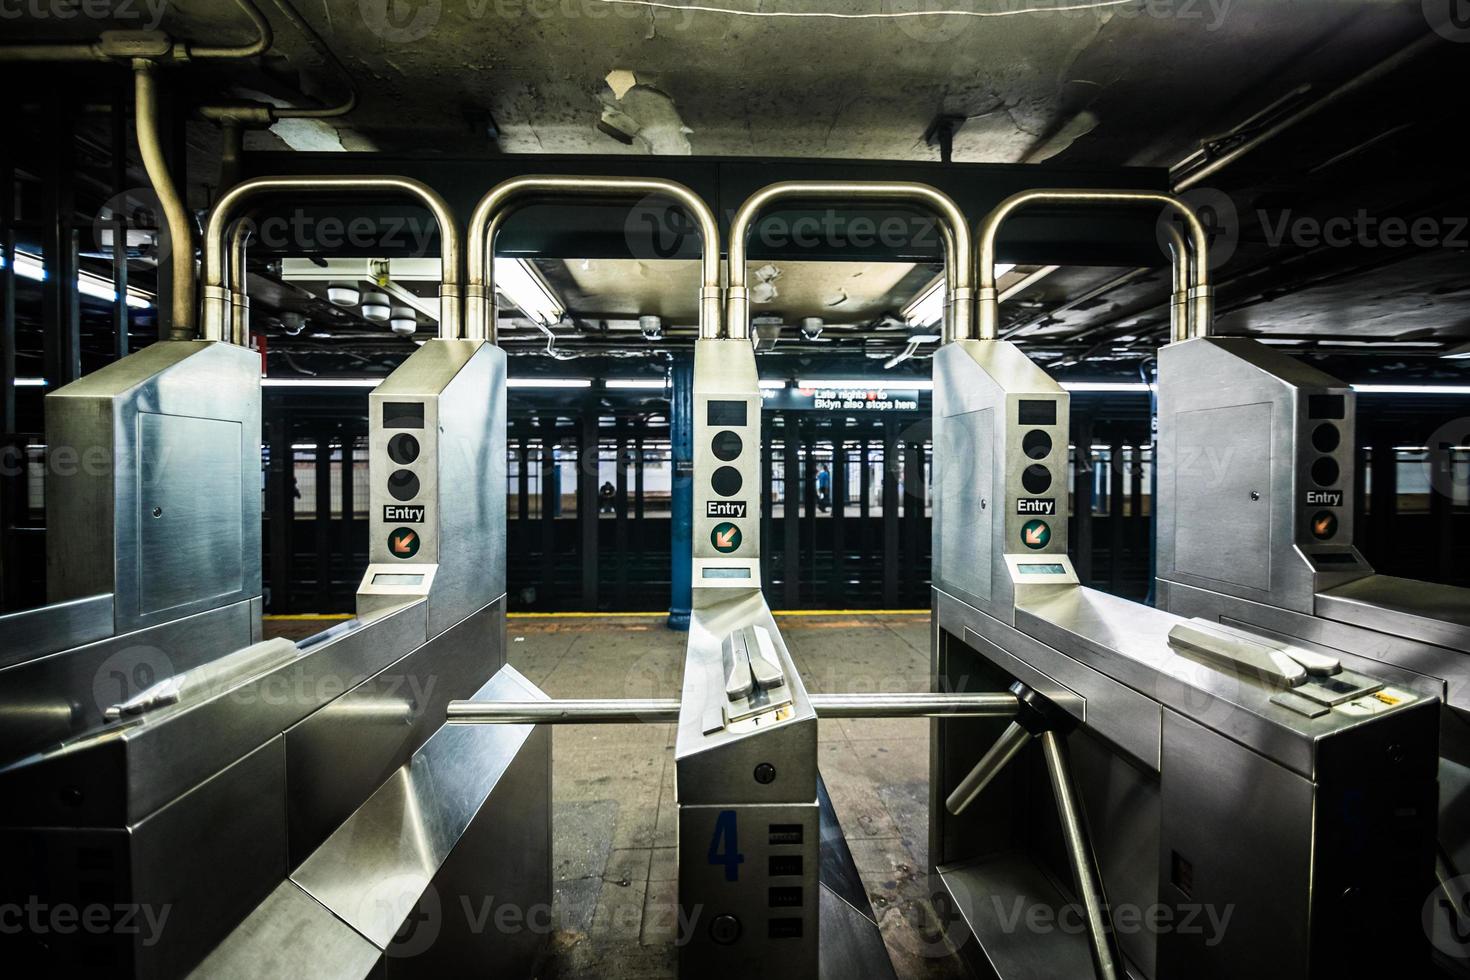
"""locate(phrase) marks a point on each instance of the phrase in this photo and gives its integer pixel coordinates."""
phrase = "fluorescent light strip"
(518, 281)
(1118, 386)
(549, 383)
(772, 384)
(644, 384)
(864, 384)
(321, 382)
(927, 307)
(30, 382)
(29, 266)
(1412, 389)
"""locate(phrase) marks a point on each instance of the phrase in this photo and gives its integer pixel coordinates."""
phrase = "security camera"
(652, 327)
(292, 323)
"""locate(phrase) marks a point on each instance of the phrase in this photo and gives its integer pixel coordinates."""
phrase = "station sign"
(841, 399)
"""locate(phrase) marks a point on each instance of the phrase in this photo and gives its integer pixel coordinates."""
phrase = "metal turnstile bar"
(1011, 741)
(914, 705)
(1105, 956)
(657, 711)
(591, 711)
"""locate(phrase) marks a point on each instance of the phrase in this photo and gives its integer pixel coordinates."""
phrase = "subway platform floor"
(614, 815)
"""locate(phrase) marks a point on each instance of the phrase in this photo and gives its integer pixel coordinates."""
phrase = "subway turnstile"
(1256, 807)
(301, 808)
(1255, 515)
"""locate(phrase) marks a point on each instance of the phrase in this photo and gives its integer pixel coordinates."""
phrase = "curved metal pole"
(216, 295)
(941, 205)
(175, 212)
(1180, 325)
(987, 299)
(239, 324)
(480, 288)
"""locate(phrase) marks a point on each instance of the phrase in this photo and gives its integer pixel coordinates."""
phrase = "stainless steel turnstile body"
(302, 808)
(153, 537)
(1255, 513)
(762, 860)
(1300, 826)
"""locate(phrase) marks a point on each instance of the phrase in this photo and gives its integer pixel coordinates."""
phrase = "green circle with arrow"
(403, 543)
(1036, 535)
(725, 537)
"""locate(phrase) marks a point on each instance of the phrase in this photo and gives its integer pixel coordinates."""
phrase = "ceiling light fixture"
(527, 290)
(548, 383)
(29, 266)
(343, 293)
(864, 384)
(927, 307)
(375, 307)
(1412, 389)
(403, 322)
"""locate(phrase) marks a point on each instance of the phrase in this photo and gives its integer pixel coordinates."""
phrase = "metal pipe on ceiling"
(987, 298)
(176, 213)
(325, 52)
(115, 45)
(480, 300)
(217, 297)
(953, 226)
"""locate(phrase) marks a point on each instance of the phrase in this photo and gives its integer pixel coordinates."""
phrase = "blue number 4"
(724, 847)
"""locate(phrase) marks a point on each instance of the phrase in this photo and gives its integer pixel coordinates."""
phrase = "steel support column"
(681, 504)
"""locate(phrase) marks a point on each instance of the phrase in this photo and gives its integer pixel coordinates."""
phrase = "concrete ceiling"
(1115, 82)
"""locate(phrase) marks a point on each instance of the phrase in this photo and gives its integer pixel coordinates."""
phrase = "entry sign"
(1036, 534)
(725, 537)
(403, 542)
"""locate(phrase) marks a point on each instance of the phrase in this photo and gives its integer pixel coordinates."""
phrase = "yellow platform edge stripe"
(321, 617)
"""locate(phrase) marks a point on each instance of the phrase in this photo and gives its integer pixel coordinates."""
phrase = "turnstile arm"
(657, 711)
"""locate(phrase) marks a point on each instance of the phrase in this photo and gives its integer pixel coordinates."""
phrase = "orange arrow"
(727, 539)
(401, 544)
(1322, 525)
(1033, 535)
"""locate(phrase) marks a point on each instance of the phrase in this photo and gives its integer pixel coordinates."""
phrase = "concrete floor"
(613, 786)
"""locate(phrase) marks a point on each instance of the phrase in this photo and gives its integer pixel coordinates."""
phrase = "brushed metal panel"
(338, 756)
(190, 548)
(1424, 611)
(211, 856)
(51, 698)
(1222, 477)
(285, 933)
(460, 386)
(964, 504)
(493, 893)
(129, 769)
(372, 870)
(32, 633)
(94, 506)
(1262, 869)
